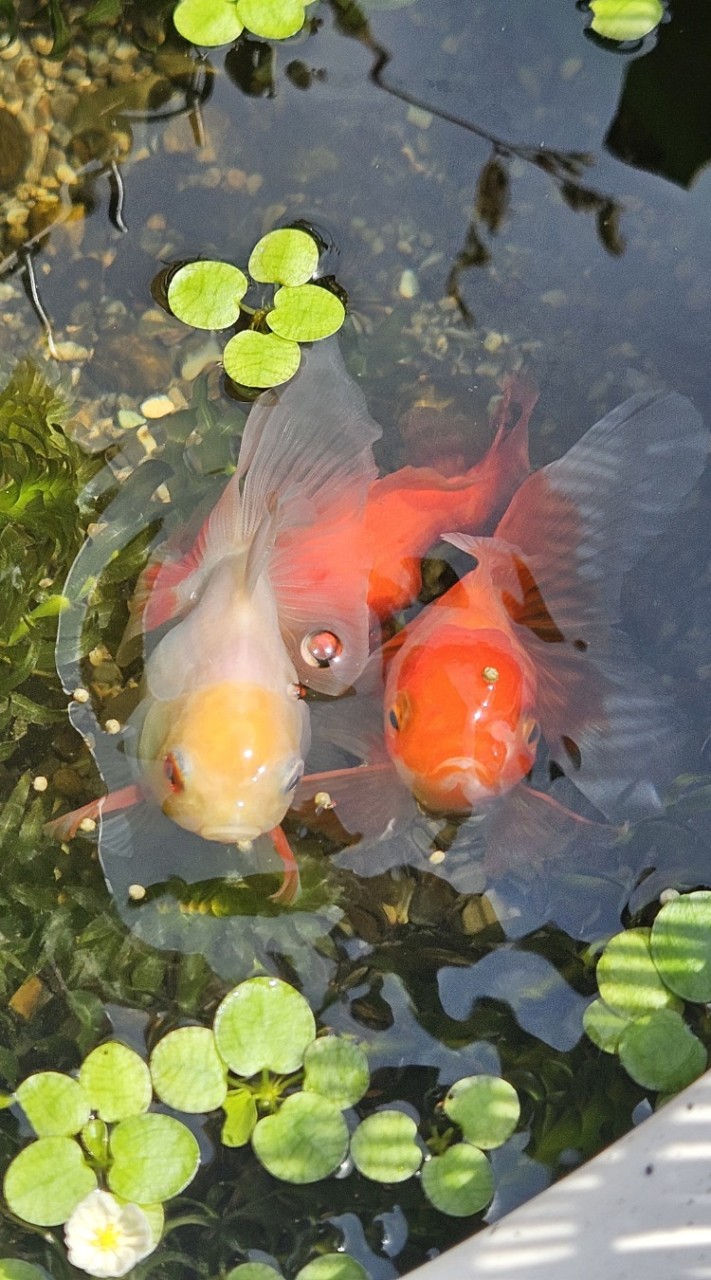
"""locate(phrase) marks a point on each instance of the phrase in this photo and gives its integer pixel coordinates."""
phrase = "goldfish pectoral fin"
(368, 800)
(530, 828)
(291, 884)
(67, 826)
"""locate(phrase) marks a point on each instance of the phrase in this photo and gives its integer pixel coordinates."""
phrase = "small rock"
(420, 118)
(128, 420)
(409, 286)
(157, 406)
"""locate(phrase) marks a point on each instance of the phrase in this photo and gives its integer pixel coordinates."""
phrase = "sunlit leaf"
(95, 1140)
(207, 294)
(332, 1266)
(336, 1069)
(681, 945)
(486, 1108)
(305, 313)
(252, 1271)
(260, 359)
(459, 1182)
(188, 1072)
(54, 1104)
(15, 1269)
(286, 256)
(264, 1022)
(117, 1081)
(45, 1182)
(305, 1141)
(208, 22)
(272, 19)
(604, 1026)
(240, 1118)
(660, 1052)
(628, 978)
(155, 1157)
(625, 19)
(384, 1147)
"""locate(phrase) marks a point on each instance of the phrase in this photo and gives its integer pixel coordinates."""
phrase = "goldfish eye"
(392, 717)
(399, 711)
(321, 648)
(173, 773)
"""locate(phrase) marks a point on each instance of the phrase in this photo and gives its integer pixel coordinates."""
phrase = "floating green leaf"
(272, 19)
(625, 19)
(604, 1026)
(208, 22)
(260, 359)
(459, 1182)
(306, 313)
(95, 1140)
(264, 1023)
(628, 978)
(336, 1069)
(240, 1118)
(660, 1051)
(384, 1147)
(681, 945)
(45, 1182)
(332, 1266)
(155, 1157)
(54, 1104)
(285, 256)
(207, 294)
(305, 1141)
(486, 1108)
(116, 1081)
(188, 1072)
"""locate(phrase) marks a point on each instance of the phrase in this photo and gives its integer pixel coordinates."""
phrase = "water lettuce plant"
(208, 294)
(281, 1087)
(624, 20)
(644, 976)
(216, 22)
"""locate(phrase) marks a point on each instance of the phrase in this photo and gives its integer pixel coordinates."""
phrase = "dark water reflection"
(595, 276)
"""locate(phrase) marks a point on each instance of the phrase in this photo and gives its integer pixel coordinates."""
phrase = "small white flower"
(106, 1238)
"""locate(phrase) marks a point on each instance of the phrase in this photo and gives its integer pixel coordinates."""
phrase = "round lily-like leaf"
(459, 1182)
(384, 1147)
(260, 359)
(54, 1104)
(15, 1269)
(332, 1266)
(628, 978)
(306, 313)
(264, 1023)
(681, 945)
(240, 1118)
(207, 294)
(116, 1081)
(272, 19)
(660, 1052)
(187, 1071)
(625, 19)
(155, 1157)
(305, 1141)
(285, 256)
(486, 1108)
(336, 1069)
(252, 1271)
(46, 1181)
(208, 22)
(604, 1026)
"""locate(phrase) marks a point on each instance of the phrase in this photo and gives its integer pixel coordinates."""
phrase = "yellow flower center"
(107, 1238)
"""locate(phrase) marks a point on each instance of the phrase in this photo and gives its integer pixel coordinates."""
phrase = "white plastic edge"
(641, 1210)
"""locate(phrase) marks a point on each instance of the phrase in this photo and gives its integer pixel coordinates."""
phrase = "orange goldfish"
(221, 733)
(527, 645)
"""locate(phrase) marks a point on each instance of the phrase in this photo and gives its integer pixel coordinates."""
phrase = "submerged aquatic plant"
(103, 1163)
(644, 976)
(208, 295)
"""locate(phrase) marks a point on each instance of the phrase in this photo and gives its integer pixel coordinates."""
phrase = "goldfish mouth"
(231, 835)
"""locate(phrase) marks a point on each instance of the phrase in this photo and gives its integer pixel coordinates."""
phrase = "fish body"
(221, 731)
(528, 645)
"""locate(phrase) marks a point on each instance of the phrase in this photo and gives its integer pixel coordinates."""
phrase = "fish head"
(460, 723)
(224, 759)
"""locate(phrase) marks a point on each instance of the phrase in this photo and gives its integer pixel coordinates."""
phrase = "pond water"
(496, 191)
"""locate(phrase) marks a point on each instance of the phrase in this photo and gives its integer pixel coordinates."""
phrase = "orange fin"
(66, 827)
(290, 885)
